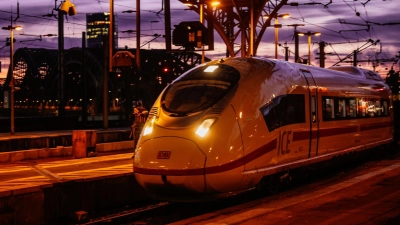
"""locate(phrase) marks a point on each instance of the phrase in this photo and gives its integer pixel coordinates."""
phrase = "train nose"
(170, 168)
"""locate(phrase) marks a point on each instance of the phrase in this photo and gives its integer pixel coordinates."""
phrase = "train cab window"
(284, 110)
(199, 89)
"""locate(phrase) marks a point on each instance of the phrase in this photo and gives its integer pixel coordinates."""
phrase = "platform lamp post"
(12, 82)
(309, 34)
(66, 7)
(277, 26)
(202, 21)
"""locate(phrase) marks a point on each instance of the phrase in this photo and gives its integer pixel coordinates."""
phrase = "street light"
(201, 21)
(276, 26)
(12, 85)
(65, 8)
(190, 3)
(309, 34)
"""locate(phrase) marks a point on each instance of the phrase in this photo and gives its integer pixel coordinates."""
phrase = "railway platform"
(58, 190)
(42, 182)
(49, 144)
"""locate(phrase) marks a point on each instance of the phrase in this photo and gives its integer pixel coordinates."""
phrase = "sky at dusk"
(346, 25)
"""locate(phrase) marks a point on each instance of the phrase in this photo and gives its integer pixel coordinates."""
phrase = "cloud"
(343, 24)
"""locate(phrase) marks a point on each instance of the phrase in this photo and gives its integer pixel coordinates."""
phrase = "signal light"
(165, 70)
(190, 34)
(8, 43)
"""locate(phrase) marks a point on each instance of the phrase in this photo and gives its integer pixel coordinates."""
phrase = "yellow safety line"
(46, 173)
(68, 162)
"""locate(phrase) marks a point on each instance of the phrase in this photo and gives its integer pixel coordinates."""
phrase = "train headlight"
(204, 127)
(148, 128)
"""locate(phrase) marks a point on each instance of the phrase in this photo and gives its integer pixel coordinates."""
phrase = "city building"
(97, 25)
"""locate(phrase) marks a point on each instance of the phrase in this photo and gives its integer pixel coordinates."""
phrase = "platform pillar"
(83, 142)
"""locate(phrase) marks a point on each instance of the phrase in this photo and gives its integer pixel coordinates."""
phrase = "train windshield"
(199, 89)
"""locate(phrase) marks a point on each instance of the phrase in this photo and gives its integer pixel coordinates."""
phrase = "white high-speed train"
(222, 126)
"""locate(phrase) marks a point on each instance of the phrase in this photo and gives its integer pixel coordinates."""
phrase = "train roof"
(356, 71)
(351, 71)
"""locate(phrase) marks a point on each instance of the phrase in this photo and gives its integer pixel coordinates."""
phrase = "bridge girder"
(36, 73)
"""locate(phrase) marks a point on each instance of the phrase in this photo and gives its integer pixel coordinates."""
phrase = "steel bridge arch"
(36, 75)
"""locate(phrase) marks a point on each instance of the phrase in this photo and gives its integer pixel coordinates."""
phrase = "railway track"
(155, 213)
(127, 214)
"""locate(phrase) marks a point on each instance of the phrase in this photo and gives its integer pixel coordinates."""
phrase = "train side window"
(341, 109)
(361, 107)
(378, 108)
(370, 108)
(313, 111)
(385, 108)
(328, 108)
(284, 110)
(336, 108)
(373, 107)
(352, 108)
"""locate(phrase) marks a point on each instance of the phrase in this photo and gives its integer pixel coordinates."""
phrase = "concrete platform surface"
(44, 144)
(49, 191)
(33, 134)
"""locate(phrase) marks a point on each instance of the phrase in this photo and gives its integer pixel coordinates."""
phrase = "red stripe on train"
(297, 136)
(305, 135)
(186, 172)
(213, 169)
(327, 132)
(373, 126)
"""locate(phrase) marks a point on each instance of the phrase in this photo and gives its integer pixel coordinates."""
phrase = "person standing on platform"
(140, 115)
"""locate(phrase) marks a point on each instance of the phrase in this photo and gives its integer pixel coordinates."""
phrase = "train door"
(312, 109)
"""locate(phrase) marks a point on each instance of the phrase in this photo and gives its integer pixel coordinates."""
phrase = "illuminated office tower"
(97, 25)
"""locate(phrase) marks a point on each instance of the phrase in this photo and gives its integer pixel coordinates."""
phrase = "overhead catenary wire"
(329, 6)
